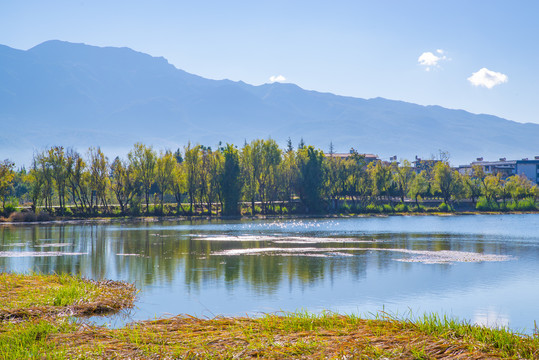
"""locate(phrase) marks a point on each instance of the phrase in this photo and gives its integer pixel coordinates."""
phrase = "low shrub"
(116, 211)
(401, 208)
(284, 210)
(388, 208)
(527, 204)
(417, 208)
(294, 208)
(43, 216)
(9, 208)
(345, 207)
(373, 208)
(483, 204)
(503, 206)
(25, 216)
(135, 207)
(443, 207)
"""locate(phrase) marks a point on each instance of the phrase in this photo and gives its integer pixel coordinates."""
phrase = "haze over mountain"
(76, 95)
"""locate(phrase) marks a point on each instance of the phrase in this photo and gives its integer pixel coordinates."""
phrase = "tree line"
(260, 177)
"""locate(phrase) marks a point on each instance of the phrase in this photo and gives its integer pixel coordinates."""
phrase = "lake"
(481, 268)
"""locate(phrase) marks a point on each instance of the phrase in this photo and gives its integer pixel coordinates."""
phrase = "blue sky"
(424, 52)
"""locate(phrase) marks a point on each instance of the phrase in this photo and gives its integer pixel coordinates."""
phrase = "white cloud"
(429, 60)
(278, 78)
(487, 78)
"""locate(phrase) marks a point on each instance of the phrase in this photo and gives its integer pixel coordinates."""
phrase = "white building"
(503, 166)
(530, 168)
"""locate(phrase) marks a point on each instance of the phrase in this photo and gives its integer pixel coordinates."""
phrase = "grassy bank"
(38, 334)
(103, 218)
(293, 336)
(294, 209)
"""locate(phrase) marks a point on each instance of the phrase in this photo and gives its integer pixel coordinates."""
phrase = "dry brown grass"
(296, 336)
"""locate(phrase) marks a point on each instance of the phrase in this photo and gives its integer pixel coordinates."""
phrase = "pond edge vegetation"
(279, 335)
(258, 179)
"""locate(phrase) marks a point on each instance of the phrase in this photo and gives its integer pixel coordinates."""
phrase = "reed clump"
(38, 295)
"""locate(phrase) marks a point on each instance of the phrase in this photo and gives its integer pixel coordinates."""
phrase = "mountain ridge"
(80, 95)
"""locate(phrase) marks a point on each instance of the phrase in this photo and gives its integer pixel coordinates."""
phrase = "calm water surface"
(481, 268)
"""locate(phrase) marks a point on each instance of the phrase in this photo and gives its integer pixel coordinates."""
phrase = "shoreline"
(38, 332)
(273, 336)
(162, 218)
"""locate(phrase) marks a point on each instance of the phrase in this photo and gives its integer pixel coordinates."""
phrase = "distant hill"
(79, 95)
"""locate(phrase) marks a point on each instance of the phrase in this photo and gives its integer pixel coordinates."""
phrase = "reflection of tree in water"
(149, 255)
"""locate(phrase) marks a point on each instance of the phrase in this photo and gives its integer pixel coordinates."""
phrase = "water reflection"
(450, 265)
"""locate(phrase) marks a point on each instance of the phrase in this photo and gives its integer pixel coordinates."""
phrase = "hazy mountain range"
(79, 95)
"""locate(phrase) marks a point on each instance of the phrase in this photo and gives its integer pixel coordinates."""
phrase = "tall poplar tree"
(192, 163)
(311, 178)
(143, 160)
(164, 175)
(231, 182)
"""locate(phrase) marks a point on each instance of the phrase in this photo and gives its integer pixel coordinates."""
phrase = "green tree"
(251, 166)
(99, 179)
(311, 178)
(164, 175)
(217, 164)
(446, 182)
(492, 188)
(58, 166)
(6, 177)
(43, 174)
(472, 186)
(121, 176)
(289, 146)
(193, 176)
(403, 176)
(358, 181)
(419, 187)
(519, 187)
(231, 181)
(381, 178)
(178, 156)
(20, 187)
(334, 175)
(78, 180)
(142, 159)
(211, 164)
(268, 175)
(288, 173)
(36, 182)
(179, 184)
